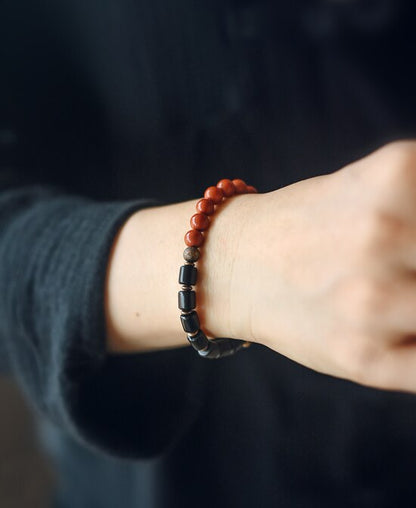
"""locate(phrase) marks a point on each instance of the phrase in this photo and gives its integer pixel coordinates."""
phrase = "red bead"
(200, 221)
(194, 238)
(240, 186)
(227, 187)
(215, 194)
(251, 190)
(205, 206)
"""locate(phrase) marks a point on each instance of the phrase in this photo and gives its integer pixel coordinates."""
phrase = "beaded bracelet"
(213, 196)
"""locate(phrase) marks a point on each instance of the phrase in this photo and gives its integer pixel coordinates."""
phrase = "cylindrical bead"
(227, 187)
(199, 341)
(191, 254)
(219, 348)
(205, 206)
(200, 221)
(187, 300)
(240, 186)
(215, 194)
(194, 238)
(190, 322)
(188, 275)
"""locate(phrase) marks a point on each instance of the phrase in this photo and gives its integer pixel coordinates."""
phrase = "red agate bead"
(199, 221)
(194, 238)
(227, 187)
(215, 194)
(240, 186)
(205, 206)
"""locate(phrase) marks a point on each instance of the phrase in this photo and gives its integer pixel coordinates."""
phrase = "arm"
(320, 271)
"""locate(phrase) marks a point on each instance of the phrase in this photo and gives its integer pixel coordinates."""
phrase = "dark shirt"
(108, 106)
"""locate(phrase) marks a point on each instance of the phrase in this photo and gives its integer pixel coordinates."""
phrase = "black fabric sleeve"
(53, 257)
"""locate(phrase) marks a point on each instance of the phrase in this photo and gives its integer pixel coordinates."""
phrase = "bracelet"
(213, 196)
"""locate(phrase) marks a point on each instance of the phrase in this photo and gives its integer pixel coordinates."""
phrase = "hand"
(325, 270)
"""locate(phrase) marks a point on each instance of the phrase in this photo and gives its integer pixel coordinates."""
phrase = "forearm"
(142, 281)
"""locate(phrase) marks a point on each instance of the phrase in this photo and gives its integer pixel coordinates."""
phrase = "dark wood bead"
(191, 254)
(227, 187)
(200, 221)
(187, 300)
(199, 341)
(215, 194)
(205, 206)
(194, 238)
(240, 186)
(188, 275)
(190, 322)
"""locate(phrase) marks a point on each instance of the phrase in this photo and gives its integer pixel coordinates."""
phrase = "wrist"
(224, 296)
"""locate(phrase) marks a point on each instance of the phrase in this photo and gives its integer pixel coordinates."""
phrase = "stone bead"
(251, 190)
(187, 300)
(200, 221)
(227, 187)
(194, 238)
(240, 186)
(199, 341)
(188, 275)
(215, 194)
(205, 206)
(190, 322)
(191, 254)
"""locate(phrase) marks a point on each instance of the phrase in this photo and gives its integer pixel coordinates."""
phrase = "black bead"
(188, 275)
(219, 348)
(187, 300)
(199, 341)
(190, 322)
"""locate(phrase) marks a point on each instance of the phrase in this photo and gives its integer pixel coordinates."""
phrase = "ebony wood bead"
(200, 221)
(188, 275)
(194, 238)
(190, 322)
(215, 194)
(227, 187)
(187, 300)
(205, 206)
(191, 254)
(199, 341)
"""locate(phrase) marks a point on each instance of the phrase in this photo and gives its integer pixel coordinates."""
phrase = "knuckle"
(400, 151)
(380, 231)
(398, 160)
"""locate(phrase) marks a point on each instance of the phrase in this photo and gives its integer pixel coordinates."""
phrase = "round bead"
(251, 190)
(227, 187)
(240, 186)
(215, 194)
(191, 254)
(194, 238)
(200, 221)
(205, 206)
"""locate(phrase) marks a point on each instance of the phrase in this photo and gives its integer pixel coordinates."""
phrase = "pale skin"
(322, 271)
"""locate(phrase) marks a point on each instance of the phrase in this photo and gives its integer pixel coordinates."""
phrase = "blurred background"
(26, 477)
